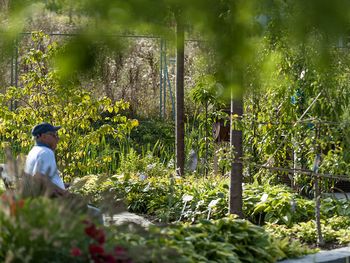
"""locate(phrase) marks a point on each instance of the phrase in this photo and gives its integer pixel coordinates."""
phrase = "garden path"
(339, 255)
(125, 217)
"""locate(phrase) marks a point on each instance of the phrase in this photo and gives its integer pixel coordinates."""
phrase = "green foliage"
(194, 199)
(46, 230)
(92, 186)
(42, 242)
(276, 204)
(161, 195)
(156, 136)
(334, 230)
(289, 77)
(232, 26)
(255, 48)
(149, 188)
(89, 124)
(148, 165)
(279, 205)
(209, 105)
(205, 92)
(32, 230)
(333, 206)
(297, 109)
(224, 240)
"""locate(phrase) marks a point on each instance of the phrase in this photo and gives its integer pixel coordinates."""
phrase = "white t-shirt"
(41, 160)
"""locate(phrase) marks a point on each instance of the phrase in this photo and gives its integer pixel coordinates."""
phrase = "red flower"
(100, 236)
(109, 259)
(90, 230)
(96, 250)
(96, 234)
(75, 252)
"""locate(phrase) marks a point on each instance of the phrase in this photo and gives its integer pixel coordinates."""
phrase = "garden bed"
(284, 214)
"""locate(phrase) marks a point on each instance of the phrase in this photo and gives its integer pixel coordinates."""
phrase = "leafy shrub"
(92, 186)
(153, 133)
(161, 196)
(227, 240)
(44, 230)
(276, 204)
(333, 206)
(148, 165)
(334, 230)
(156, 192)
(224, 240)
(165, 197)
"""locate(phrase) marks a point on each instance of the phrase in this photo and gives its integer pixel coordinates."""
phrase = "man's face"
(50, 138)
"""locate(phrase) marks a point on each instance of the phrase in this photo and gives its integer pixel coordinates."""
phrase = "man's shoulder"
(41, 151)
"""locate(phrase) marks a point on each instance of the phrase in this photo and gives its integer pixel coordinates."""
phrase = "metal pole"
(16, 63)
(164, 80)
(12, 74)
(12, 68)
(16, 70)
(170, 92)
(161, 78)
(320, 240)
(206, 139)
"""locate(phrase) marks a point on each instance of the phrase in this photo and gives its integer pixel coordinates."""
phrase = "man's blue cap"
(43, 128)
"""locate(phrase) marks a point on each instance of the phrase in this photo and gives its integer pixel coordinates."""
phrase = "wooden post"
(236, 177)
(179, 122)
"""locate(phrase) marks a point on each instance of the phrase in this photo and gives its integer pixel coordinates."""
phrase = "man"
(41, 163)
(41, 158)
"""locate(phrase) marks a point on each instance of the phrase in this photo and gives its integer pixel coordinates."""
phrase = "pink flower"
(75, 252)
